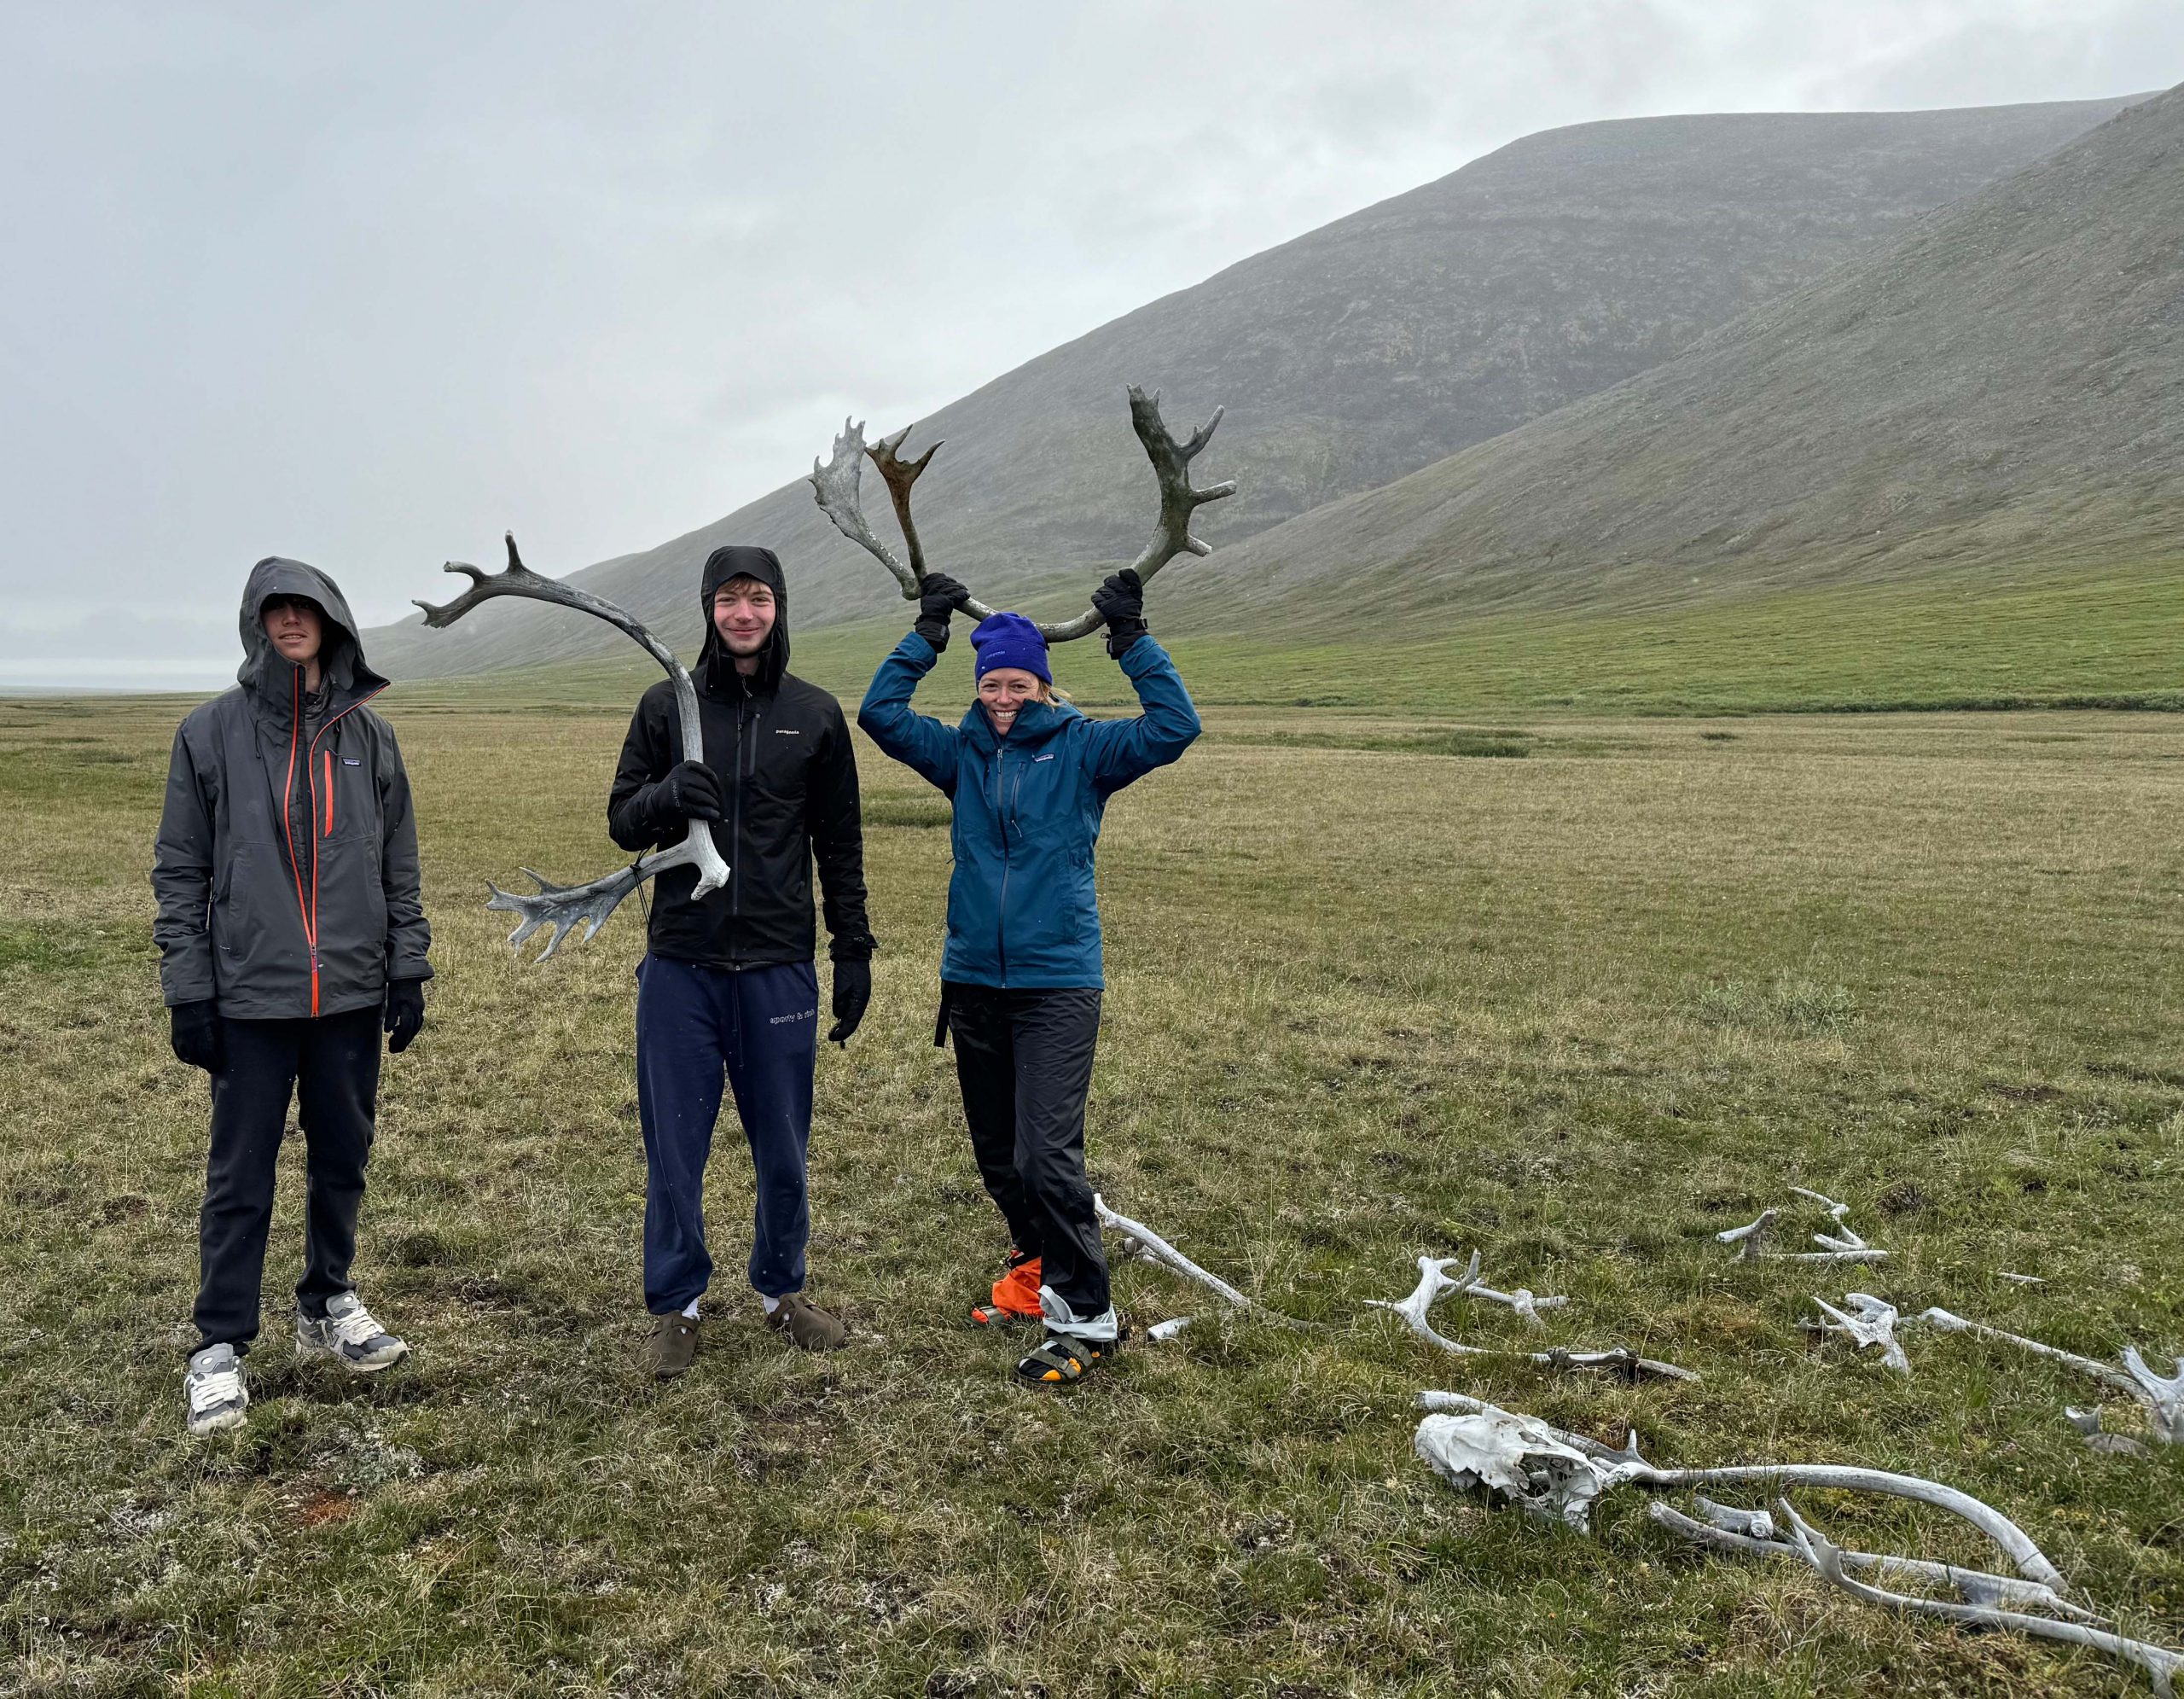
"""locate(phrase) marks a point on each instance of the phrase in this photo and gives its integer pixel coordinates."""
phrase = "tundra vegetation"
(1578, 992)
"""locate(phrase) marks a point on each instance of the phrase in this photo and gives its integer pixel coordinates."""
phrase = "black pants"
(1023, 1059)
(331, 1066)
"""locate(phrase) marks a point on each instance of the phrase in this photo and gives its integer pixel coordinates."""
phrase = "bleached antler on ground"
(566, 907)
(1726, 1529)
(2161, 1396)
(1615, 1468)
(1841, 1246)
(1154, 1249)
(835, 486)
(2087, 1422)
(1434, 1279)
(2162, 1665)
(1874, 1325)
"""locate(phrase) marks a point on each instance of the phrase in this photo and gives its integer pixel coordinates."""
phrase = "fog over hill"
(2004, 385)
(1543, 273)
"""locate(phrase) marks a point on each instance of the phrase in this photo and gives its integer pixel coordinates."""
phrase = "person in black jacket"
(728, 985)
(290, 933)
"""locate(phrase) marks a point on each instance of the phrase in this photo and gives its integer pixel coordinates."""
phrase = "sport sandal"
(1062, 1361)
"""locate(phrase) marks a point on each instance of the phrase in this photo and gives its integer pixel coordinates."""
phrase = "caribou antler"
(566, 907)
(835, 486)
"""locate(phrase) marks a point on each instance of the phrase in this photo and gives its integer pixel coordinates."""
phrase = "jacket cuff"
(854, 946)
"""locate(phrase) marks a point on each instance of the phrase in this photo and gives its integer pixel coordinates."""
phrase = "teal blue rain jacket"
(1021, 908)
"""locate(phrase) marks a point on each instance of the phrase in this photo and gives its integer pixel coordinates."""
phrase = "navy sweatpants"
(759, 1030)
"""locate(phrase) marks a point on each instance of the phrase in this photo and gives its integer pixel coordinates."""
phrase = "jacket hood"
(341, 663)
(716, 669)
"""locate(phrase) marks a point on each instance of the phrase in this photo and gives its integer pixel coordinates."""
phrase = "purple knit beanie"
(1010, 640)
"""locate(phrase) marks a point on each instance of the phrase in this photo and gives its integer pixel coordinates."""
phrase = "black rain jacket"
(286, 865)
(787, 773)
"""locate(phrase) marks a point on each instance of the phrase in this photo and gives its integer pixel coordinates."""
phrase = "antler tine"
(835, 486)
(1171, 533)
(900, 475)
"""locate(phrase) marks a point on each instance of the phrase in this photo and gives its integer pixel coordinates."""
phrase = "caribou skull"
(565, 907)
(835, 487)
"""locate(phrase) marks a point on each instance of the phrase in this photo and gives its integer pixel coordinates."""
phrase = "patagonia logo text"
(787, 731)
(784, 1019)
(352, 761)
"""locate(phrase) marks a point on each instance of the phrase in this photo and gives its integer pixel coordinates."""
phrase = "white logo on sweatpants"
(783, 1020)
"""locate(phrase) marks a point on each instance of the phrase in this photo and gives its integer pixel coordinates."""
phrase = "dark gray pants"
(330, 1066)
(1023, 1059)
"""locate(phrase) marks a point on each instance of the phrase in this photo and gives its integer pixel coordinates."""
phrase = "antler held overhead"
(835, 486)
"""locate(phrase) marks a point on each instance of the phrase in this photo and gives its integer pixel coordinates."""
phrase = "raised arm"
(918, 741)
(1127, 749)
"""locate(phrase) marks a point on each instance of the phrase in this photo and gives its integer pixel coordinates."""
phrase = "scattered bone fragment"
(2161, 1396)
(1434, 1279)
(1752, 1235)
(1870, 1323)
(2021, 1279)
(2097, 1439)
(1161, 1332)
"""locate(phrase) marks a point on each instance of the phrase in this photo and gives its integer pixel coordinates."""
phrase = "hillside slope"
(1545, 272)
(2005, 384)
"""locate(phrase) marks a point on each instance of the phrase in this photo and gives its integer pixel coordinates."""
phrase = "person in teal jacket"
(1029, 777)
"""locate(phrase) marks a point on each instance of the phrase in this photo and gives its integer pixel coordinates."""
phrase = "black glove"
(691, 791)
(1121, 602)
(939, 597)
(853, 994)
(405, 1012)
(195, 1035)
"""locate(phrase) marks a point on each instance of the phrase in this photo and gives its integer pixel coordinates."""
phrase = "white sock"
(771, 1304)
(690, 1309)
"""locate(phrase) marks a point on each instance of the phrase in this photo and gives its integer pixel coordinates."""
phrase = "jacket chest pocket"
(342, 800)
(780, 765)
(1039, 793)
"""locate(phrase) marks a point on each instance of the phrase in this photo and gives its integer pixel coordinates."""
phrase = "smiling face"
(744, 611)
(1005, 692)
(294, 626)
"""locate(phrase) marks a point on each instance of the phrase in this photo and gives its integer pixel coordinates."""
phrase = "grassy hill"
(2001, 392)
(1543, 273)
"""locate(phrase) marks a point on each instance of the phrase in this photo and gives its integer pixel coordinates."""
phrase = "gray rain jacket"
(272, 926)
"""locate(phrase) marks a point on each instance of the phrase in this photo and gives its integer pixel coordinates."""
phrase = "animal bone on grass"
(1434, 1279)
(1752, 1235)
(1617, 1467)
(2159, 1661)
(1725, 1529)
(2161, 1396)
(2087, 1422)
(1873, 1324)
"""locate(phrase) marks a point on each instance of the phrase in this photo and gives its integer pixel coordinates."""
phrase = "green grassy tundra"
(1577, 990)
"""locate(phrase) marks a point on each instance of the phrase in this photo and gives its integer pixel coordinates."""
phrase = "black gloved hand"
(852, 995)
(938, 597)
(194, 1032)
(691, 791)
(1121, 602)
(405, 1012)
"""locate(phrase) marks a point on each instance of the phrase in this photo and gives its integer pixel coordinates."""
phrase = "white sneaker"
(213, 1390)
(348, 1333)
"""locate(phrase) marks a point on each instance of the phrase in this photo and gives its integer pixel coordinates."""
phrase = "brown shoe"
(807, 1324)
(673, 1343)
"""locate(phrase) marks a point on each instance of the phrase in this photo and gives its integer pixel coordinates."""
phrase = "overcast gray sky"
(368, 284)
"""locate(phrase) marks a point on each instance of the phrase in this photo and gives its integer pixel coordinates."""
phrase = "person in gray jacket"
(290, 933)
